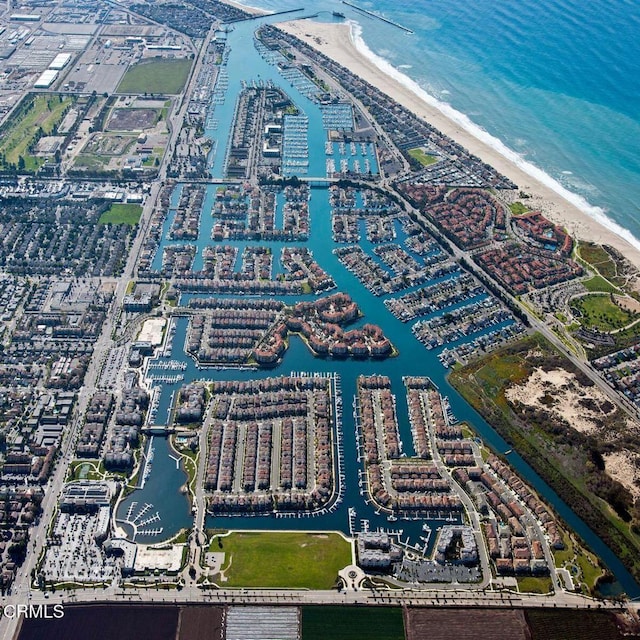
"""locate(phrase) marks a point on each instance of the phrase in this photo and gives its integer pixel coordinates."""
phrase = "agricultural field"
(353, 623)
(38, 115)
(518, 624)
(571, 625)
(103, 622)
(462, 624)
(206, 622)
(201, 623)
(296, 560)
(156, 77)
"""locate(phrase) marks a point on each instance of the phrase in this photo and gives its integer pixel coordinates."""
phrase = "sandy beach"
(245, 7)
(335, 41)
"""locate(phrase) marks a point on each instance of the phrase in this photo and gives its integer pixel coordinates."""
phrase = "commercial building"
(60, 61)
(46, 79)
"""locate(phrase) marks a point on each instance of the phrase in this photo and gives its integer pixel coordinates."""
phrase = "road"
(472, 512)
(452, 598)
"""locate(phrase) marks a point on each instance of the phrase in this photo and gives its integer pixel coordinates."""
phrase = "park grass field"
(352, 623)
(598, 284)
(518, 208)
(156, 76)
(37, 112)
(296, 560)
(582, 564)
(607, 264)
(600, 312)
(423, 158)
(122, 214)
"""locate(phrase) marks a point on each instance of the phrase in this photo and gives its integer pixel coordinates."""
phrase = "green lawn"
(122, 214)
(423, 158)
(532, 584)
(518, 208)
(41, 111)
(599, 312)
(352, 623)
(296, 560)
(156, 76)
(599, 284)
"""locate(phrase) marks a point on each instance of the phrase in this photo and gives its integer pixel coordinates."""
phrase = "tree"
(17, 551)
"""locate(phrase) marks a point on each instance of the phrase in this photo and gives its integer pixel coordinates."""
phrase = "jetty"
(375, 15)
(269, 15)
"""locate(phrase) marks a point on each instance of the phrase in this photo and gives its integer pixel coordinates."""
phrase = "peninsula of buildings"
(232, 287)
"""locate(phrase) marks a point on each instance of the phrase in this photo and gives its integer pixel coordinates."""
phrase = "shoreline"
(246, 7)
(338, 43)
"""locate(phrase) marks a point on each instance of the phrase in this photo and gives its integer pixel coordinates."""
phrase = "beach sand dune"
(336, 41)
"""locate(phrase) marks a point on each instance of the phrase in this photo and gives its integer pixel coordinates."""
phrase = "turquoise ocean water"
(556, 82)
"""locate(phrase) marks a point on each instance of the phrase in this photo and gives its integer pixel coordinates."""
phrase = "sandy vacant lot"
(559, 393)
(621, 467)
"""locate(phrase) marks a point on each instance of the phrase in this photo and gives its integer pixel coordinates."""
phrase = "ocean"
(553, 84)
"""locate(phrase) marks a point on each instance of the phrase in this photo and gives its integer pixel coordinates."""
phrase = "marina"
(305, 152)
